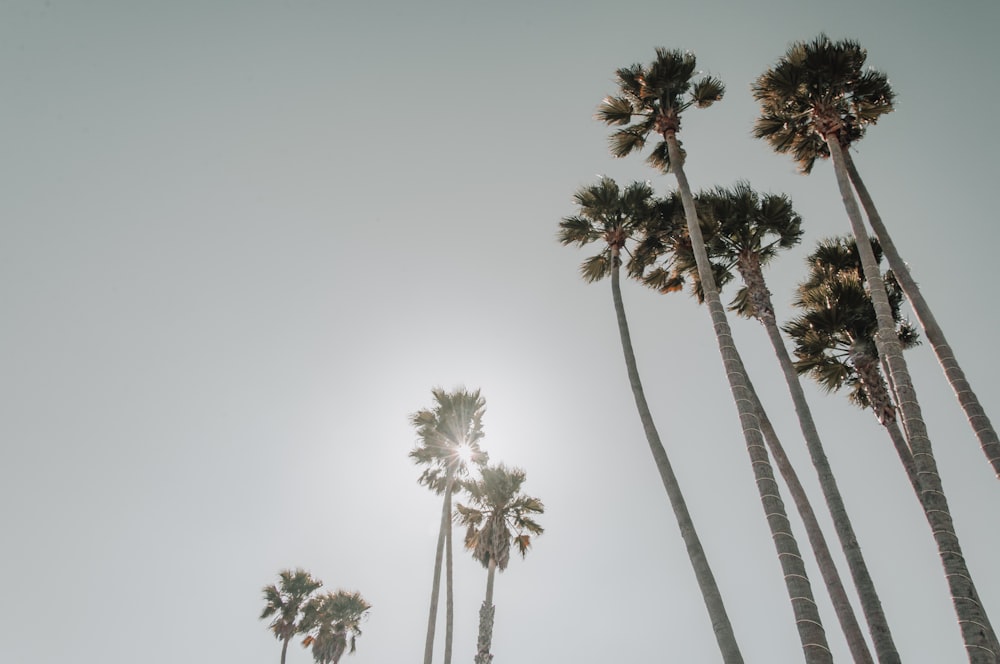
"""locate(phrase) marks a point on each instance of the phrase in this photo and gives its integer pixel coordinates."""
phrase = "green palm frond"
(577, 230)
(626, 141)
(596, 267)
(707, 91)
(614, 111)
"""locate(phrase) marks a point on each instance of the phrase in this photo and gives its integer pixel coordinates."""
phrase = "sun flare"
(464, 453)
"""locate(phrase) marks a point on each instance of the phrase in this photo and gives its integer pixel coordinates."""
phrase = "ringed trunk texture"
(721, 626)
(807, 619)
(977, 632)
(436, 584)
(871, 604)
(828, 569)
(486, 615)
(978, 420)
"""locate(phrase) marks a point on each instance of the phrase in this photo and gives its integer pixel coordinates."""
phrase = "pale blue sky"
(240, 242)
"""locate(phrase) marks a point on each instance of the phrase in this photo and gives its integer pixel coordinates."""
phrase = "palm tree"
(835, 336)
(745, 231)
(820, 92)
(611, 216)
(334, 621)
(449, 435)
(286, 602)
(980, 422)
(656, 95)
(498, 515)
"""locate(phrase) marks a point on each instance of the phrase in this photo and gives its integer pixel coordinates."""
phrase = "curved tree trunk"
(702, 571)
(284, 649)
(486, 614)
(978, 420)
(977, 632)
(871, 605)
(807, 619)
(436, 585)
(828, 569)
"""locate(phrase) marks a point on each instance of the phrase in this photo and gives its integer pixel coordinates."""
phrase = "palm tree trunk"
(828, 569)
(807, 619)
(871, 605)
(977, 632)
(486, 614)
(702, 571)
(284, 649)
(904, 453)
(981, 425)
(448, 581)
(436, 585)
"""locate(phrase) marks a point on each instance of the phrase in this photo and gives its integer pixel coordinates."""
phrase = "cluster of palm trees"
(496, 516)
(816, 102)
(330, 621)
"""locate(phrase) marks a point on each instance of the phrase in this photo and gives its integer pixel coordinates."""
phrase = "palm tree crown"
(817, 90)
(449, 434)
(835, 334)
(652, 98)
(498, 515)
(610, 214)
(286, 602)
(334, 621)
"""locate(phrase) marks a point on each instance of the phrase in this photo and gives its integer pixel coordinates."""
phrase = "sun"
(464, 453)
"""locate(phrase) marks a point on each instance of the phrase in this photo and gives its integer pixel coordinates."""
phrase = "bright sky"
(240, 242)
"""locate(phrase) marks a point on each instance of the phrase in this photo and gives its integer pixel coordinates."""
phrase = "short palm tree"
(334, 623)
(611, 216)
(498, 515)
(820, 92)
(651, 99)
(974, 412)
(448, 440)
(285, 603)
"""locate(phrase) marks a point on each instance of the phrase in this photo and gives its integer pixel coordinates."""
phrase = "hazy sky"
(240, 242)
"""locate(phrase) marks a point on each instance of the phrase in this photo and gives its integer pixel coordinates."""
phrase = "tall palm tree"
(334, 623)
(974, 412)
(285, 602)
(611, 216)
(656, 95)
(745, 231)
(498, 515)
(750, 229)
(448, 435)
(834, 336)
(820, 92)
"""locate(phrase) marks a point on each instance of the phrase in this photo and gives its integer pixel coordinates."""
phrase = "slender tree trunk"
(977, 632)
(486, 615)
(871, 605)
(284, 649)
(448, 582)
(436, 585)
(981, 425)
(702, 571)
(828, 569)
(807, 619)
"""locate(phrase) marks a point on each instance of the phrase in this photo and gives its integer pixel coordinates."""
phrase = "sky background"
(240, 243)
